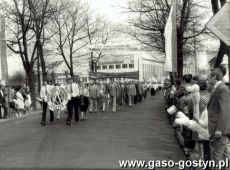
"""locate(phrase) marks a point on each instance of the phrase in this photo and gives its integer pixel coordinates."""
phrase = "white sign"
(220, 24)
(57, 98)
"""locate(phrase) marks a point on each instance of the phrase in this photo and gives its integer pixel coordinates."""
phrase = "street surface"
(140, 133)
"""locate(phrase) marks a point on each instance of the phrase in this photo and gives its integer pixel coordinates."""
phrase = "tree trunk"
(180, 63)
(41, 56)
(38, 72)
(223, 49)
(71, 73)
(92, 63)
(31, 78)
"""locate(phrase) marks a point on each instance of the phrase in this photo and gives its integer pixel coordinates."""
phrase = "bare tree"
(223, 49)
(99, 32)
(21, 39)
(41, 13)
(70, 39)
(149, 23)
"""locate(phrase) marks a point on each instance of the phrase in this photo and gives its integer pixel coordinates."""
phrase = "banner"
(171, 41)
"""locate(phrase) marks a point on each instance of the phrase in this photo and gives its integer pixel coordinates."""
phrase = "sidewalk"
(13, 116)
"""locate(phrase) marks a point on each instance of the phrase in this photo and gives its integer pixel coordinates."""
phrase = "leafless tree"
(42, 12)
(99, 32)
(71, 38)
(21, 39)
(150, 17)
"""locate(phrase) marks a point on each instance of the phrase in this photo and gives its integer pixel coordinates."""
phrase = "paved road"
(140, 133)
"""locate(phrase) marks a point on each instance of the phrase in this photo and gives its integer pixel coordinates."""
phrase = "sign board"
(220, 24)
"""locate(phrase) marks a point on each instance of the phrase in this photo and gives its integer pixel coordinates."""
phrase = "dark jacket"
(219, 110)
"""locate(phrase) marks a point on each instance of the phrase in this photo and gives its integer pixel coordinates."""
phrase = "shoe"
(43, 123)
(68, 123)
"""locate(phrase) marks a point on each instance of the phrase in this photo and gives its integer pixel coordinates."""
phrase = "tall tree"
(71, 37)
(21, 39)
(41, 13)
(99, 32)
(149, 23)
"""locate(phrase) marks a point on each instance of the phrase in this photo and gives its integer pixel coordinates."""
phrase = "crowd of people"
(19, 101)
(201, 119)
(97, 96)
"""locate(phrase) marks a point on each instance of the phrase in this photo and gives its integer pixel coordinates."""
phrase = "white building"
(121, 60)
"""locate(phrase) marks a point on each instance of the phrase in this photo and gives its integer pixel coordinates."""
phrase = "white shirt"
(44, 92)
(73, 90)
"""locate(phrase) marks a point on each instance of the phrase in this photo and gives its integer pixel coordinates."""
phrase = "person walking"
(84, 101)
(219, 116)
(74, 101)
(93, 95)
(45, 89)
(113, 95)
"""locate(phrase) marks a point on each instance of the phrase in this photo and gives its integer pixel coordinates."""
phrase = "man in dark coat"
(219, 116)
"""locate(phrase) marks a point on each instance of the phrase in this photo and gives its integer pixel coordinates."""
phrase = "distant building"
(124, 62)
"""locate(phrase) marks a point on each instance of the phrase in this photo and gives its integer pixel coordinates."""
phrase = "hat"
(172, 110)
(204, 100)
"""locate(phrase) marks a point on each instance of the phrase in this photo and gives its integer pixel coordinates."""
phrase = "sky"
(109, 8)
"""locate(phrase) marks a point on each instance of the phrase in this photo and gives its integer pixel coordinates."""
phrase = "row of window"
(117, 66)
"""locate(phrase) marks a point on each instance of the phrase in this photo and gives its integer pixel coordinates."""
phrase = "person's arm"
(203, 121)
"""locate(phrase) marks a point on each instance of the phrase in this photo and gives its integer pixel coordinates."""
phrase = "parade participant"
(3, 102)
(45, 89)
(84, 101)
(93, 95)
(132, 93)
(113, 94)
(28, 102)
(105, 98)
(119, 95)
(152, 90)
(218, 116)
(74, 101)
(57, 101)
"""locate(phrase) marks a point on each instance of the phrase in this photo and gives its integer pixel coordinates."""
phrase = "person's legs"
(91, 105)
(51, 116)
(5, 110)
(114, 103)
(58, 114)
(44, 108)
(95, 105)
(70, 111)
(76, 108)
(219, 149)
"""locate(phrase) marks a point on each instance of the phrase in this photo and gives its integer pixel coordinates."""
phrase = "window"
(98, 67)
(131, 65)
(118, 66)
(124, 65)
(111, 66)
(104, 67)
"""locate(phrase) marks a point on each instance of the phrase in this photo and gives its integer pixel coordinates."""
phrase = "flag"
(171, 41)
